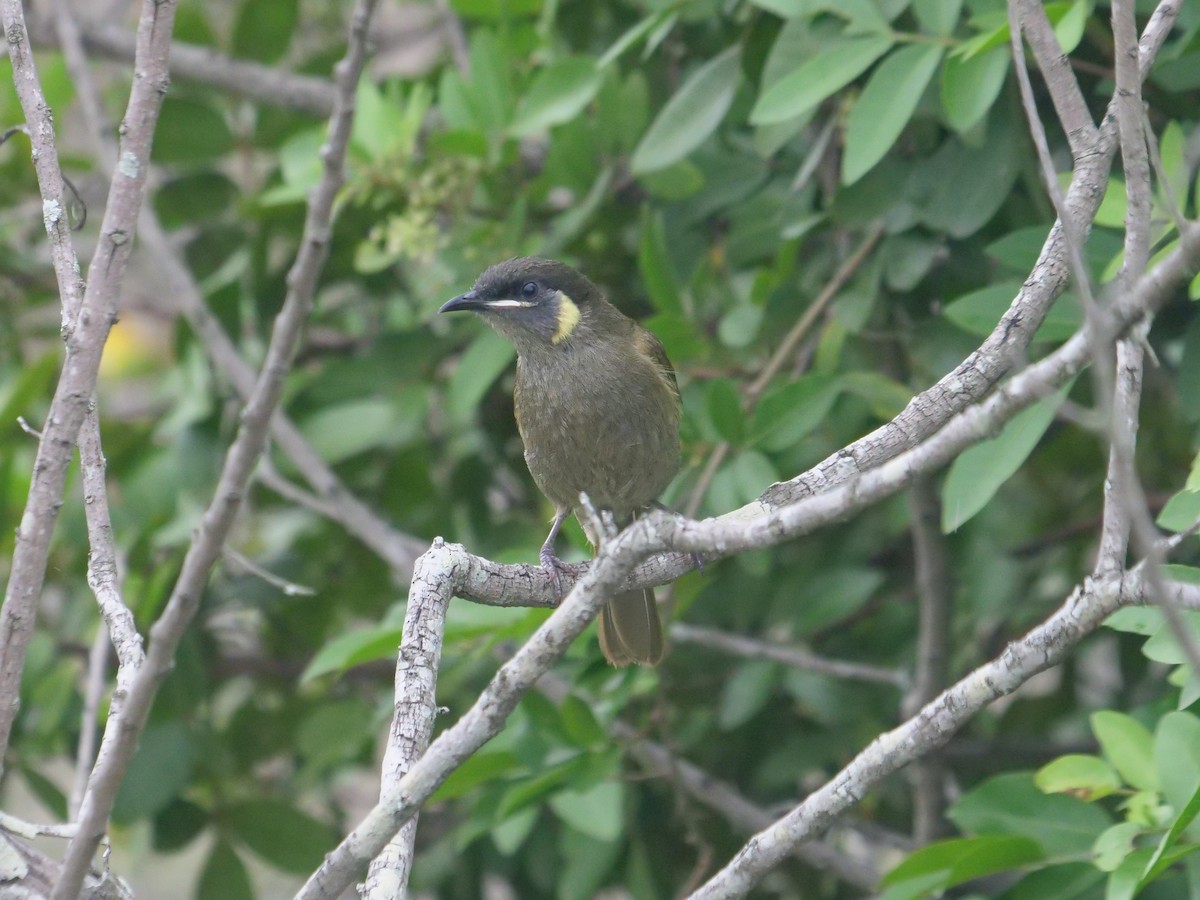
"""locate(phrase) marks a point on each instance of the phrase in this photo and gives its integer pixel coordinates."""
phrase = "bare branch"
(932, 665)
(1060, 79)
(794, 657)
(242, 78)
(417, 666)
(87, 320)
(93, 691)
(121, 733)
(1087, 606)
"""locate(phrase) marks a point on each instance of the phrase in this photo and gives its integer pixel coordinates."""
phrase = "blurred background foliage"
(712, 164)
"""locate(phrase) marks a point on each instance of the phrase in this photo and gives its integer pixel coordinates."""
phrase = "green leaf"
(224, 876)
(654, 265)
(887, 103)
(691, 115)
(725, 410)
(829, 597)
(1163, 646)
(1123, 881)
(789, 412)
(353, 648)
(1069, 28)
(960, 860)
(970, 86)
(1114, 845)
(597, 811)
(1080, 775)
(510, 834)
(194, 198)
(580, 723)
(1129, 746)
(335, 732)
(484, 767)
(281, 834)
(46, 791)
(1011, 804)
(1161, 858)
(1065, 881)
(829, 71)
(937, 17)
(1177, 754)
(558, 94)
(979, 311)
(1181, 512)
(162, 766)
(263, 29)
(190, 131)
(1143, 620)
(632, 36)
(343, 430)
(178, 824)
(486, 357)
(739, 326)
(980, 470)
(745, 693)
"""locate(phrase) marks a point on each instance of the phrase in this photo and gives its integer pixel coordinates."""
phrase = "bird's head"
(535, 303)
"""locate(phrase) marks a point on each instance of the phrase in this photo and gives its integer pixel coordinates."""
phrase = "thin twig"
(779, 358)
(93, 692)
(932, 663)
(290, 588)
(794, 657)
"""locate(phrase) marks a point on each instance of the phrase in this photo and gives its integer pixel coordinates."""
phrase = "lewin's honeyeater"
(598, 409)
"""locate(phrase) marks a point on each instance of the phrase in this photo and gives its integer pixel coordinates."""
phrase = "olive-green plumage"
(598, 409)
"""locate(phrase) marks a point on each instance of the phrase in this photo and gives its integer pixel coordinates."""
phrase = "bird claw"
(555, 567)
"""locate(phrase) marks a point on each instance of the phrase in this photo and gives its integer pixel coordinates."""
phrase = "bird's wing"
(652, 347)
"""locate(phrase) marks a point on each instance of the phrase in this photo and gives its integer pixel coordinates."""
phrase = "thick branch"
(1060, 78)
(429, 597)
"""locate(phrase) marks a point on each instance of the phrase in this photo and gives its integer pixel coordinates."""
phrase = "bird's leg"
(696, 557)
(549, 561)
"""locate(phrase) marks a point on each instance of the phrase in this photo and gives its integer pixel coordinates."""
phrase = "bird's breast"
(606, 423)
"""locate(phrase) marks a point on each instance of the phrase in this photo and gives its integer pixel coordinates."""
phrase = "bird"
(598, 410)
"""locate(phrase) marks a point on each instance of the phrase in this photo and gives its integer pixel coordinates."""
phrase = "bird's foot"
(698, 560)
(555, 567)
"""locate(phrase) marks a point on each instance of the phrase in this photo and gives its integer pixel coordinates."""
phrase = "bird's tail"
(630, 629)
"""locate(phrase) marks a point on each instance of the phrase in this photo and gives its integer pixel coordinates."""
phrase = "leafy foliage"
(712, 165)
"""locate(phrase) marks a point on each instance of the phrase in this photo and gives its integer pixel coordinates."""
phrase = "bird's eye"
(529, 289)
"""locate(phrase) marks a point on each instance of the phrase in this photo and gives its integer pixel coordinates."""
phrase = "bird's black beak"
(469, 300)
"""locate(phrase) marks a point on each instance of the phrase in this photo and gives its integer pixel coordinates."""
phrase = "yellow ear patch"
(568, 318)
